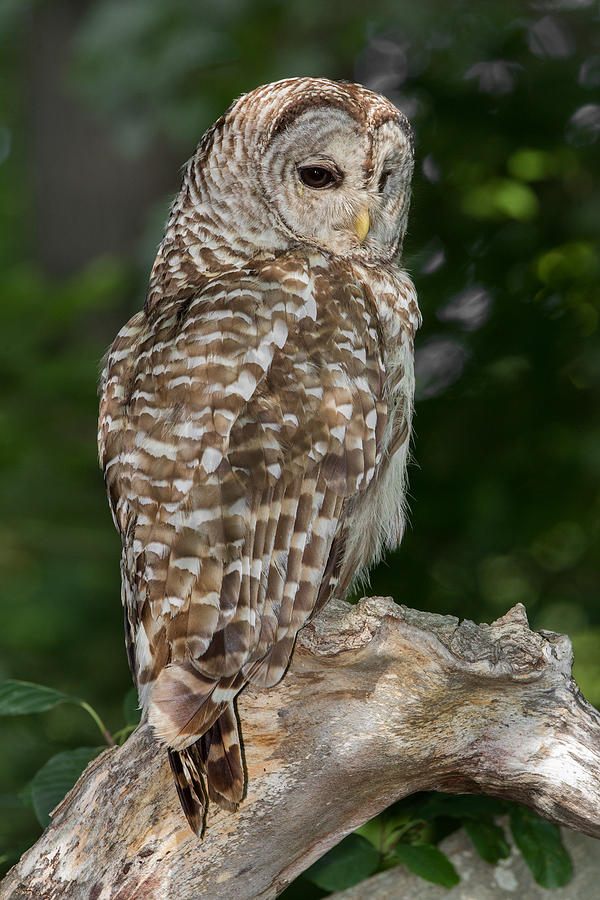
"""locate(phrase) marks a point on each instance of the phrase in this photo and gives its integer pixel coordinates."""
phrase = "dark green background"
(102, 102)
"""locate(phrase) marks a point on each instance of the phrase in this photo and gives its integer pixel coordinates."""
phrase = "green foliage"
(539, 842)
(489, 840)
(56, 778)
(477, 816)
(20, 698)
(586, 669)
(428, 862)
(465, 807)
(59, 773)
(529, 164)
(501, 198)
(406, 834)
(131, 710)
(377, 845)
(349, 862)
(152, 67)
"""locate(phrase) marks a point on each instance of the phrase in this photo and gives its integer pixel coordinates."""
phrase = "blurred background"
(101, 103)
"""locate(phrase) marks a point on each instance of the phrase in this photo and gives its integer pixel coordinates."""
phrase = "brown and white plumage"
(255, 416)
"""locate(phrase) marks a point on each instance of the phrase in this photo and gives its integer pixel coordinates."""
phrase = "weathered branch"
(380, 701)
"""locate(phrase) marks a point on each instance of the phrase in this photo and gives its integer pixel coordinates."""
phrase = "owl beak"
(362, 223)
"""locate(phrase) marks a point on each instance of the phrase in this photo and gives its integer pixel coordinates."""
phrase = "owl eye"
(317, 176)
(383, 180)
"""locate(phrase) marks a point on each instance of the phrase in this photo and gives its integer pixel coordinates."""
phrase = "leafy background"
(100, 104)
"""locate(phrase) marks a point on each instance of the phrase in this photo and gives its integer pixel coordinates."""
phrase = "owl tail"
(216, 757)
(190, 787)
(222, 760)
(194, 716)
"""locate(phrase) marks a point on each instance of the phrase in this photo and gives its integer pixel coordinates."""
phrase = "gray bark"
(380, 701)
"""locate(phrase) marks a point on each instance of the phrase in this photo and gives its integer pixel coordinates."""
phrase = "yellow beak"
(362, 224)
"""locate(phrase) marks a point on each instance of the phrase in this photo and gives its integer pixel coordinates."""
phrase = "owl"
(255, 415)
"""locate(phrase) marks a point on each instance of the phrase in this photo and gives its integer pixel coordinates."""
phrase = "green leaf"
(57, 777)
(501, 198)
(540, 843)
(352, 860)
(575, 261)
(461, 806)
(373, 831)
(489, 840)
(531, 165)
(427, 862)
(25, 795)
(19, 698)
(131, 709)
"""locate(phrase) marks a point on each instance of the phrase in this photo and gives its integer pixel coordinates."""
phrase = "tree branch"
(380, 701)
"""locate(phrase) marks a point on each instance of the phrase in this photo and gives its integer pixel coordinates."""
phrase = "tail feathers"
(190, 787)
(221, 754)
(215, 758)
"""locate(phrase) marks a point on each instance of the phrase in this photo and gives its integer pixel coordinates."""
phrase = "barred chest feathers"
(376, 520)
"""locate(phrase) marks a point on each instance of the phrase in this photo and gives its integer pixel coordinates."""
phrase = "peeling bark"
(380, 701)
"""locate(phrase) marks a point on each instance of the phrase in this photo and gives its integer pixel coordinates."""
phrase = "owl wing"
(237, 423)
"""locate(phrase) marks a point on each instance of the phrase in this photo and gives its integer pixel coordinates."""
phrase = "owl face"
(340, 183)
(305, 161)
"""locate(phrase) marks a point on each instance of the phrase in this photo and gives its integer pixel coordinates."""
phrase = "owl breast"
(376, 517)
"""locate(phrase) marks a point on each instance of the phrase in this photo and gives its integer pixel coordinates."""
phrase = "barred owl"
(255, 415)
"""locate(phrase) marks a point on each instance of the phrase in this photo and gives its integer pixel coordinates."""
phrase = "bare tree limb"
(380, 701)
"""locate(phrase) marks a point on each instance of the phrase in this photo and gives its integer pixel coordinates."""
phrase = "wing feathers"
(233, 438)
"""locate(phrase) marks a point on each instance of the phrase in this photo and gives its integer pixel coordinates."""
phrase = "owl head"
(336, 165)
(301, 162)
